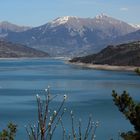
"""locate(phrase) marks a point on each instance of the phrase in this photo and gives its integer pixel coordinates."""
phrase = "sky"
(39, 12)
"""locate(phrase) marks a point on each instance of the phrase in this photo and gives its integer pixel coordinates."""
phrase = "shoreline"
(105, 67)
(22, 58)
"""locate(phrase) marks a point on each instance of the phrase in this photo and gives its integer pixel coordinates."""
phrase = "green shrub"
(9, 133)
(137, 70)
(131, 110)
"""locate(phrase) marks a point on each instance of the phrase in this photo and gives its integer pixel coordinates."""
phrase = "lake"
(89, 92)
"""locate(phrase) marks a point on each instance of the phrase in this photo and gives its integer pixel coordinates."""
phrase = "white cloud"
(124, 9)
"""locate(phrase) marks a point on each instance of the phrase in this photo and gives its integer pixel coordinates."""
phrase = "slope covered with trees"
(119, 55)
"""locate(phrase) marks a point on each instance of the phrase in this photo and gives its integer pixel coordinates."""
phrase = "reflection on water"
(89, 92)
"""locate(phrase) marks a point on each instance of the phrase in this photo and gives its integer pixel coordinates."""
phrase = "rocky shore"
(105, 67)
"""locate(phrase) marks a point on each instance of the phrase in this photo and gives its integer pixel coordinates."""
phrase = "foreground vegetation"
(48, 121)
(9, 133)
(137, 70)
(131, 110)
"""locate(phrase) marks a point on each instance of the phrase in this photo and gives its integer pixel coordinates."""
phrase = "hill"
(11, 50)
(119, 55)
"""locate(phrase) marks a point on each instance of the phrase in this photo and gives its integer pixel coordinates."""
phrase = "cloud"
(124, 9)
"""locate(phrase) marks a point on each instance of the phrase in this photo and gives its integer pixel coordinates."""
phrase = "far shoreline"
(22, 58)
(104, 67)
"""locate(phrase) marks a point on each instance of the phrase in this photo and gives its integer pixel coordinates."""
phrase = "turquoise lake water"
(88, 90)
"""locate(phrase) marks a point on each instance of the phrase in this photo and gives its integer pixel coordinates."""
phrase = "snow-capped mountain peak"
(62, 20)
(102, 15)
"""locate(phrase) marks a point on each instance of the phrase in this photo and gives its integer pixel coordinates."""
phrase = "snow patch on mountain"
(137, 26)
(62, 20)
(102, 15)
(102, 18)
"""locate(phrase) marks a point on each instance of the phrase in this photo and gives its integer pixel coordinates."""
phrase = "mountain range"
(70, 36)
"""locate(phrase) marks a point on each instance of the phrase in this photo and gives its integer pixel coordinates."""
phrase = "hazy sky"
(38, 12)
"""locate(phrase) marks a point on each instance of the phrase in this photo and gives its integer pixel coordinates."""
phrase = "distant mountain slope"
(10, 50)
(134, 36)
(6, 27)
(73, 35)
(12, 27)
(120, 55)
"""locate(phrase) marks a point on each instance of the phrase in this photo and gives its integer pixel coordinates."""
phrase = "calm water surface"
(89, 92)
